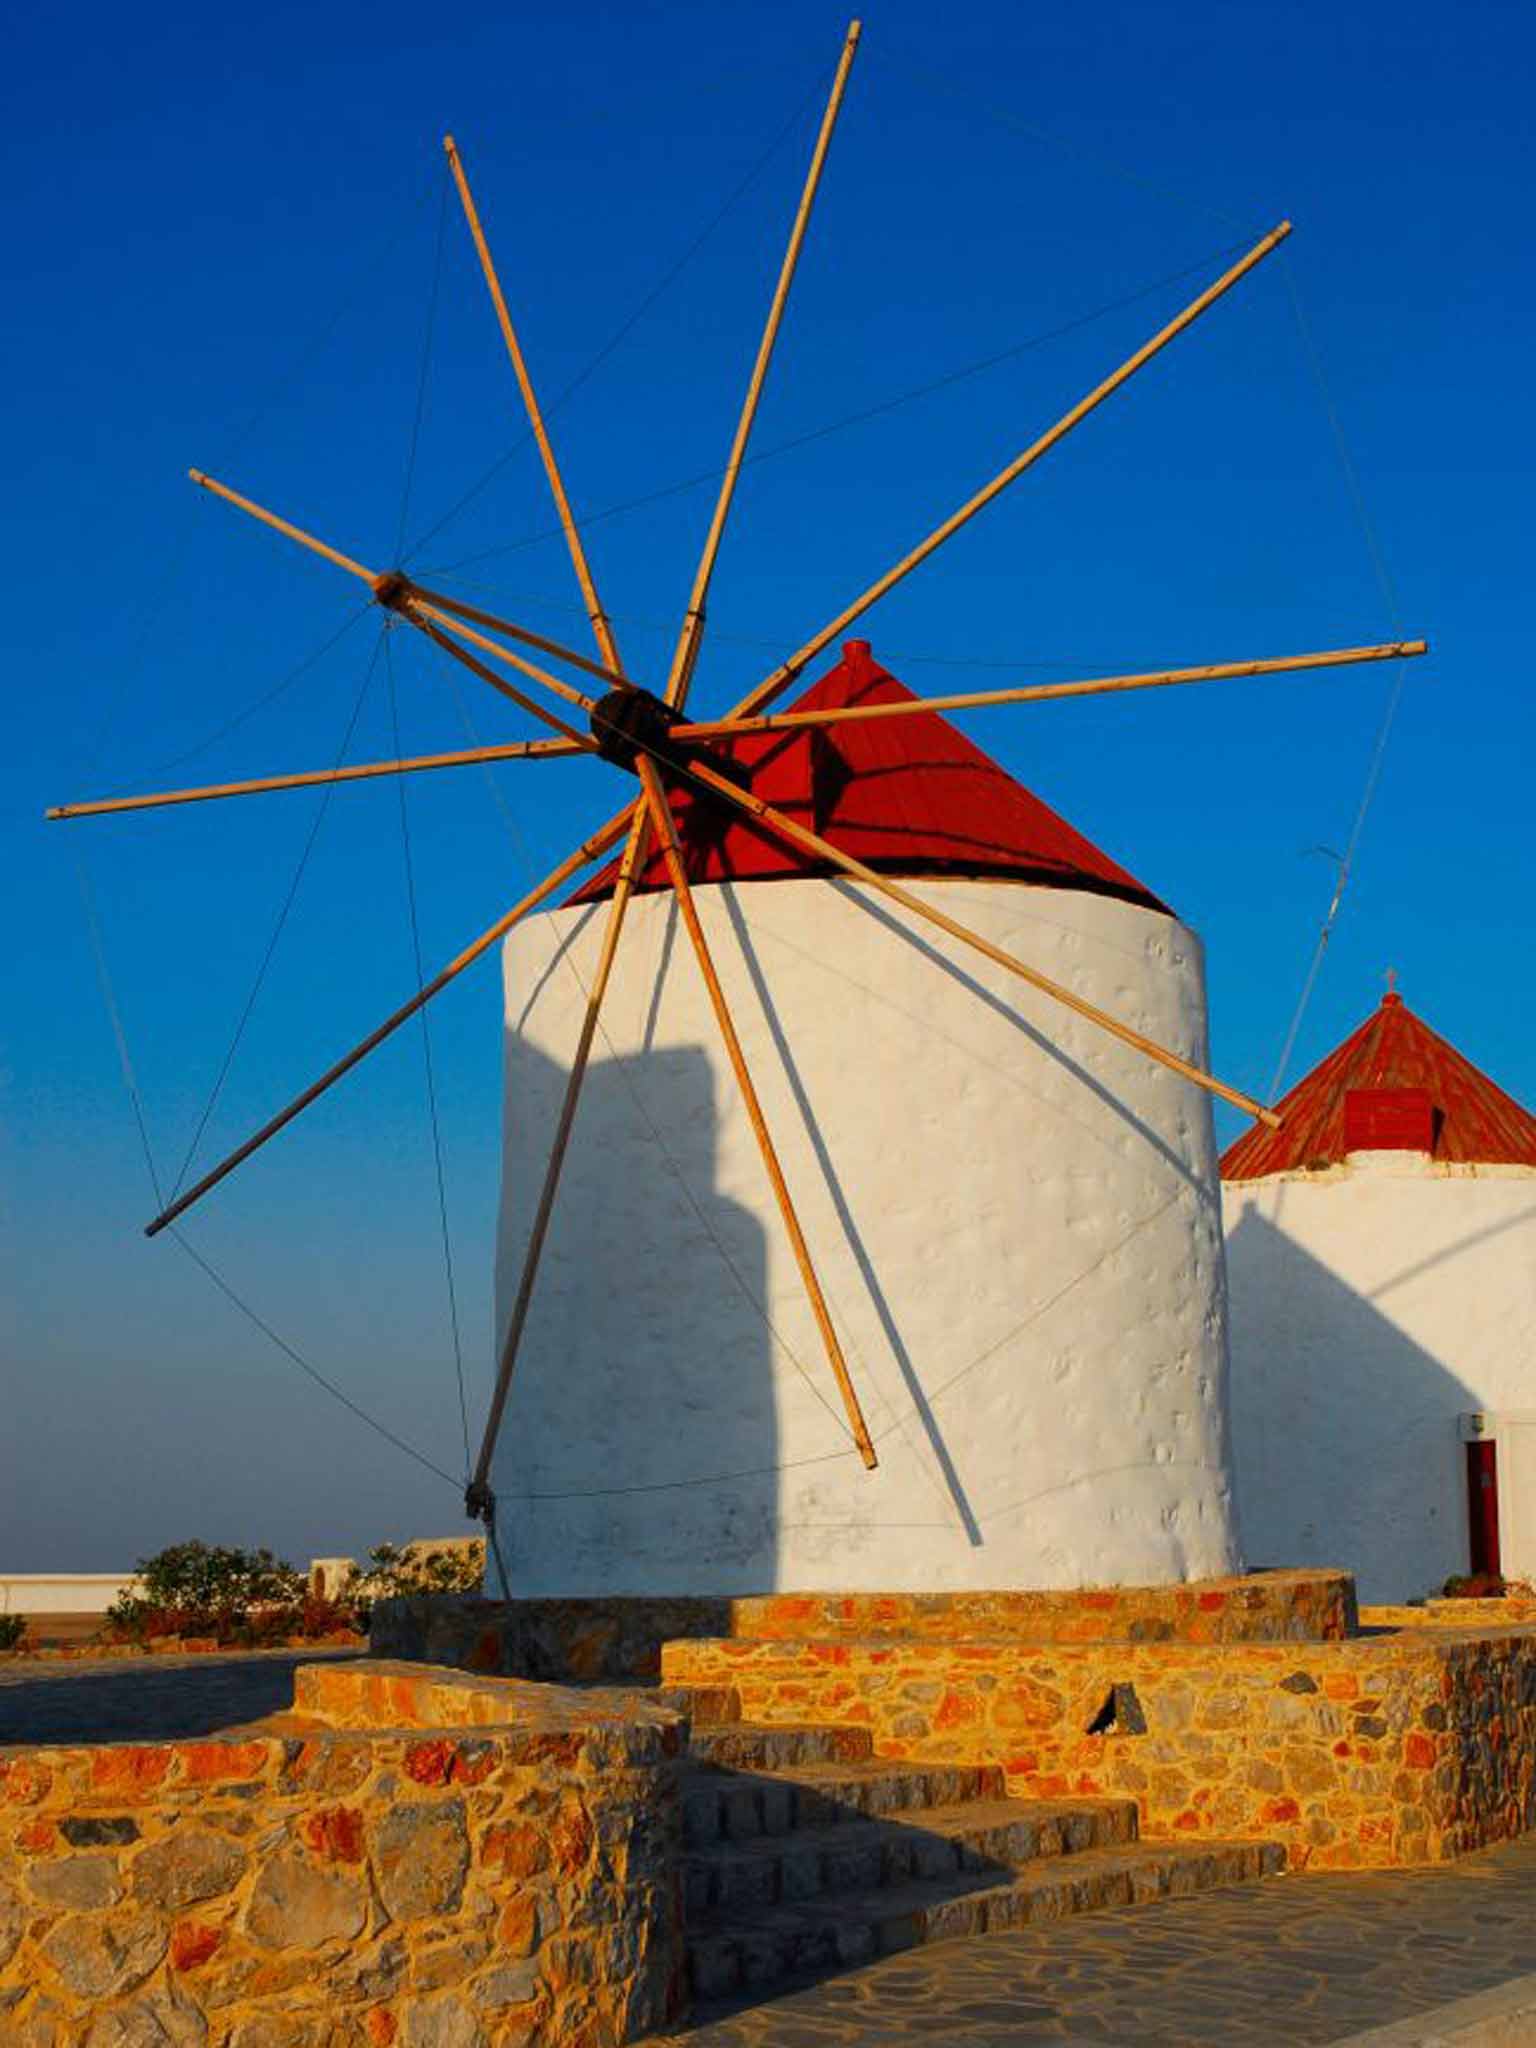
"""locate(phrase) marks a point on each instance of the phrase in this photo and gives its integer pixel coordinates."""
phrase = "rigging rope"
(854, 419)
(130, 1082)
(1389, 594)
(886, 1429)
(429, 1076)
(621, 1066)
(398, 222)
(621, 335)
(321, 810)
(298, 1358)
(946, 88)
(270, 696)
(426, 364)
(426, 1056)
(520, 603)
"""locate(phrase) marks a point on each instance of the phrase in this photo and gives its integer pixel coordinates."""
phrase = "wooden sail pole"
(602, 630)
(480, 617)
(774, 684)
(665, 827)
(394, 591)
(420, 612)
(363, 771)
(1034, 693)
(608, 835)
(539, 1230)
(676, 693)
(722, 728)
(811, 842)
(686, 654)
(285, 526)
(478, 1495)
(786, 672)
(438, 628)
(573, 863)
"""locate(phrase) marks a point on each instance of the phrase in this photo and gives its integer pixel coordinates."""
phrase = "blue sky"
(221, 242)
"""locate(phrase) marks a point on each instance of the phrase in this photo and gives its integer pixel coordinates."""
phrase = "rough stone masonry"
(410, 1857)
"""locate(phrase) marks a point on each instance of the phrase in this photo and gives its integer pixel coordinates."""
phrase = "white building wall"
(1016, 1220)
(62, 1592)
(1372, 1305)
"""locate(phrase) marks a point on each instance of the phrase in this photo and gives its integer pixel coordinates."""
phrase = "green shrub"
(251, 1597)
(13, 1628)
(201, 1589)
(395, 1571)
(223, 1581)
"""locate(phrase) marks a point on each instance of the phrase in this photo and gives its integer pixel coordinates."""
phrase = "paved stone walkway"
(1297, 1959)
(145, 1699)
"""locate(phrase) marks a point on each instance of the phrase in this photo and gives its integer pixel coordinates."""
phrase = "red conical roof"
(1472, 1121)
(909, 796)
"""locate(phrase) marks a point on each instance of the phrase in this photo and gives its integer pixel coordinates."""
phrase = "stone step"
(750, 1746)
(739, 1806)
(707, 1706)
(737, 1957)
(864, 1855)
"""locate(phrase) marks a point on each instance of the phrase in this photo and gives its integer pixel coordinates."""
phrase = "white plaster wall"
(1016, 1220)
(62, 1592)
(1371, 1306)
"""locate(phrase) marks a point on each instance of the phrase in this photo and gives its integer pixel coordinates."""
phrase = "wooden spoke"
(686, 654)
(786, 672)
(394, 591)
(414, 608)
(602, 630)
(971, 700)
(284, 526)
(438, 627)
(364, 771)
(634, 854)
(587, 852)
(611, 676)
(666, 830)
(824, 850)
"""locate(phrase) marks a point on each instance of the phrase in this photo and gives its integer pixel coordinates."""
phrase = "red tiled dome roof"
(1472, 1120)
(908, 796)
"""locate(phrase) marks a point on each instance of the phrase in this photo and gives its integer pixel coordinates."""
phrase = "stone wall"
(1389, 1749)
(621, 1638)
(498, 1865)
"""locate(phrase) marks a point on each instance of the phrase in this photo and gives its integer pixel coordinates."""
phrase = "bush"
(13, 1629)
(395, 1571)
(250, 1597)
(200, 1589)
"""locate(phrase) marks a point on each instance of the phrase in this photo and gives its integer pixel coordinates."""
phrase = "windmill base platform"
(1249, 1708)
(618, 1639)
(779, 1807)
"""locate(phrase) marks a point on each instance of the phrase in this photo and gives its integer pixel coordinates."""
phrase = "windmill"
(691, 771)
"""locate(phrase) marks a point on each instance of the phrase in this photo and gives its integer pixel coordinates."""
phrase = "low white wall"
(1015, 1217)
(1371, 1306)
(61, 1592)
